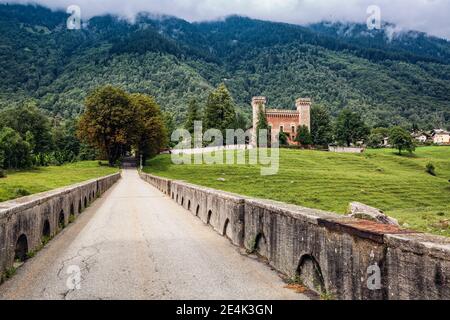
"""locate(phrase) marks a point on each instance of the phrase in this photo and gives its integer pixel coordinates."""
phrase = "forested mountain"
(390, 78)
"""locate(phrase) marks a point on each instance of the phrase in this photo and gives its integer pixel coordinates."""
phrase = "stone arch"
(197, 211)
(182, 201)
(46, 231)
(176, 199)
(61, 220)
(208, 220)
(189, 205)
(85, 202)
(310, 273)
(72, 209)
(80, 207)
(260, 245)
(226, 229)
(21, 250)
(173, 195)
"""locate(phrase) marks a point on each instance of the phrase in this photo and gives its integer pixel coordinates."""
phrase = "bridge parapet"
(27, 221)
(343, 257)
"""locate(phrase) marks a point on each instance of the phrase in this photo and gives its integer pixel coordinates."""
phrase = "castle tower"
(304, 110)
(257, 102)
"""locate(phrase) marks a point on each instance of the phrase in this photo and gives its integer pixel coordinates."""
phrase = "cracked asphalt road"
(135, 243)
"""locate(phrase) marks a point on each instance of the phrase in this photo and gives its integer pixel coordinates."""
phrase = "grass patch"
(399, 185)
(21, 183)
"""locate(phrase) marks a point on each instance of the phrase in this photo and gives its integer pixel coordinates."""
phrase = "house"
(441, 137)
(420, 137)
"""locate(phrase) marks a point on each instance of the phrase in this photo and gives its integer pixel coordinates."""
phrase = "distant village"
(436, 136)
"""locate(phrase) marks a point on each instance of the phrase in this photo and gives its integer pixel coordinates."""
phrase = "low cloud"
(431, 16)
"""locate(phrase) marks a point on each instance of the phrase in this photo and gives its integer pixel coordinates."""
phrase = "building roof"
(440, 131)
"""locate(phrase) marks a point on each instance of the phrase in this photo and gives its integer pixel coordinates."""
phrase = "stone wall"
(342, 257)
(24, 222)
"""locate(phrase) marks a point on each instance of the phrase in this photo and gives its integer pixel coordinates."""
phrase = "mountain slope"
(391, 80)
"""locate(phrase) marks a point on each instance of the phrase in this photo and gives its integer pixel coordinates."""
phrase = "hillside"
(399, 80)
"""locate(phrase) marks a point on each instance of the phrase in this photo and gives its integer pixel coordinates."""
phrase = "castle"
(286, 121)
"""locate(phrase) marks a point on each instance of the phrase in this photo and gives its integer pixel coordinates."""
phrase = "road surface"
(135, 243)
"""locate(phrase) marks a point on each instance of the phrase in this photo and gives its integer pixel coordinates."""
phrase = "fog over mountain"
(431, 16)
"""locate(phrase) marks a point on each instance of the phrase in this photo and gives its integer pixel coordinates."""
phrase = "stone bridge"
(154, 238)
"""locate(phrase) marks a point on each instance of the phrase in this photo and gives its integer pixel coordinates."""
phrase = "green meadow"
(24, 182)
(399, 185)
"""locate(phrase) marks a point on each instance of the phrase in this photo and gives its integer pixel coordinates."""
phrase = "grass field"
(20, 183)
(399, 185)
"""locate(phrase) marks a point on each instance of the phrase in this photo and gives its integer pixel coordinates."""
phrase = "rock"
(365, 212)
(221, 179)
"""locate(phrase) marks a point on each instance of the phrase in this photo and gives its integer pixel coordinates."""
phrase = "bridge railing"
(341, 257)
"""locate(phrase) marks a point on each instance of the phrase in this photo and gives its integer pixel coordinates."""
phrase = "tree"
(262, 124)
(241, 122)
(170, 127)
(192, 115)
(350, 128)
(401, 139)
(376, 137)
(375, 140)
(151, 135)
(220, 110)
(321, 129)
(29, 121)
(109, 122)
(14, 151)
(303, 136)
(283, 139)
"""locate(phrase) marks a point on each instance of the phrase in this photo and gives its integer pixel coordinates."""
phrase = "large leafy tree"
(14, 151)
(350, 128)
(220, 110)
(401, 139)
(151, 135)
(109, 122)
(32, 125)
(321, 129)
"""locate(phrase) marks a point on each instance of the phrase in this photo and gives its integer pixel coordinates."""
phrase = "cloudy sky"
(432, 16)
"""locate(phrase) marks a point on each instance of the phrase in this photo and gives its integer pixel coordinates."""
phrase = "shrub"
(20, 192)
(2, 173)
(431, 169)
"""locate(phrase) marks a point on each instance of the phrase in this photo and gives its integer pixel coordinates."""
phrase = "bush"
(20, 192)
(431, 169)
(2, 173)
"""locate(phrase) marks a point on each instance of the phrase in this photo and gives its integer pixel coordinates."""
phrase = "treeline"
(29, 138)
(113, 124)
(217, 112)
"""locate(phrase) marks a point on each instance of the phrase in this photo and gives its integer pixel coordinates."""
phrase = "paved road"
(135, 243)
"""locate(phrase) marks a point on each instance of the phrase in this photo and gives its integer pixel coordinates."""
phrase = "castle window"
(293, 129)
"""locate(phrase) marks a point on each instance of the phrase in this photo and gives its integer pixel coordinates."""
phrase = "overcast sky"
(432, 16)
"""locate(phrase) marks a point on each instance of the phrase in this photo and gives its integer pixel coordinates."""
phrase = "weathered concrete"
(25, 221)
(161, 184)
(344, 257)
(223, 211)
